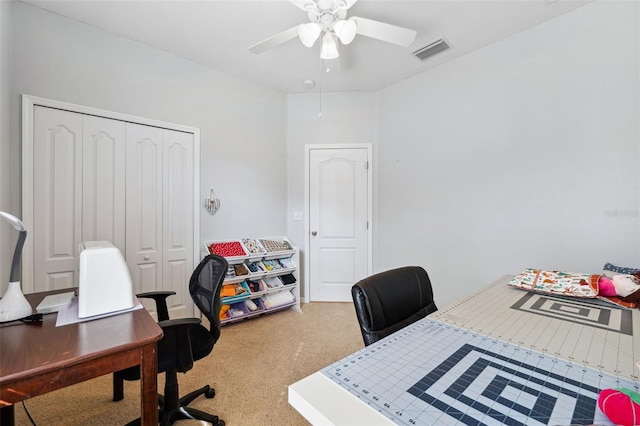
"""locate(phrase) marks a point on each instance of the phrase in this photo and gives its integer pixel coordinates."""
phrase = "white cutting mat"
(436, 373)
(581, 330)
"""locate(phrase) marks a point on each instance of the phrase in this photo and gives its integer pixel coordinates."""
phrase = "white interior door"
(339, 221)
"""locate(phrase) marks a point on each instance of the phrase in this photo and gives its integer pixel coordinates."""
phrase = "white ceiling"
(217, 34)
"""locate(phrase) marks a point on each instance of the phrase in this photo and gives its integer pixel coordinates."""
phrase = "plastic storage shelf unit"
(259, 269)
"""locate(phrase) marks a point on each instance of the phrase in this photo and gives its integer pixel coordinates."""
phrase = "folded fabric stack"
(557, 282)
(278, 299)
(253, 246)
(572, 284)
(275, 246)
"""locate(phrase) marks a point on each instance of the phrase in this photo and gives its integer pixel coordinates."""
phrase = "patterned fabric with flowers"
(555, 282)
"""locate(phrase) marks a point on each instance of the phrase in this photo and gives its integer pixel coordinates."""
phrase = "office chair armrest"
(160, 297)
(179, 322)
(176, 342)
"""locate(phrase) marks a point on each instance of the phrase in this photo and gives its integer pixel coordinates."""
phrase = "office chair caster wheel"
(210, 394)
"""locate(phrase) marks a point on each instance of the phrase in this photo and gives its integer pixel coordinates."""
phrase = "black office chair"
(391, 300)
(185, 340)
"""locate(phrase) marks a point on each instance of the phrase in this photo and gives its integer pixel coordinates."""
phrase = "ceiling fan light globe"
(346, 30)
(329, 47)
(309, 33)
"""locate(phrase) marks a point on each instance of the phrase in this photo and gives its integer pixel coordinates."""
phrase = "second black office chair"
(391, 300)
(185, 340)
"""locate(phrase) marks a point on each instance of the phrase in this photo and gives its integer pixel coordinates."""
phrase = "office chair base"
(167, 416)
(186, 413)
(207, 391)
(182, 413)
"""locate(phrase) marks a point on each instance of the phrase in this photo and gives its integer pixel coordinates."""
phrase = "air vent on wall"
(431, 49)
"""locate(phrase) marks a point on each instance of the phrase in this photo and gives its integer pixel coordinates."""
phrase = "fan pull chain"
(320, 89)
(320, 102)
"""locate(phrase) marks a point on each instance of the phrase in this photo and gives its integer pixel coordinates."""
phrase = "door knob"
(147, 257)
(314, 233)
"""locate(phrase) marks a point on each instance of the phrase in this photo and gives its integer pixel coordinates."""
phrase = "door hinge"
(367, 224)
(366, 165)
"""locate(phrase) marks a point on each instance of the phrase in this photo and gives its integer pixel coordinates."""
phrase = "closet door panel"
(103, 183)
(105, 178)
(178, 219)
(57, 199)
(144, 206)
(146, 275)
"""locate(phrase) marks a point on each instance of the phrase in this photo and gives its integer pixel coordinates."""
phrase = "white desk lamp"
(14, 305)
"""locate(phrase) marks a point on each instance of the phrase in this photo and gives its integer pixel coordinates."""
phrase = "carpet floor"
(250, 367)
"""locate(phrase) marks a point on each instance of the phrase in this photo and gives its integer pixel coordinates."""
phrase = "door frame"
(307, 182)
(28, 104)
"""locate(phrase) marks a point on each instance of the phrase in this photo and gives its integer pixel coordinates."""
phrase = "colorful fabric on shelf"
(228, 290)
(223, 311)
(287, 279)
(274, 246)
(240, 269)
(253, 246)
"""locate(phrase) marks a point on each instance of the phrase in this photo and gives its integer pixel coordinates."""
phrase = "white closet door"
(144, 207)
(97, 178)
(103, 181)
(177, 220)
(57, 200)
(159, 198)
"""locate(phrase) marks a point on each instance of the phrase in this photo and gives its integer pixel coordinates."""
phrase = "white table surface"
(505, 313)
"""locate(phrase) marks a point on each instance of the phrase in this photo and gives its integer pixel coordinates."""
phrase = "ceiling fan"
(329, 19)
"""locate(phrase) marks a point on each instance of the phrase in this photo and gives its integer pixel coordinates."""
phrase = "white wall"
(243, 125)
(521, 154)
(347, 118)
(547, 119)
(8, 235)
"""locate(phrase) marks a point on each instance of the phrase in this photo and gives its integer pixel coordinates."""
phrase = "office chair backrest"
(204, 286)
(391, 300)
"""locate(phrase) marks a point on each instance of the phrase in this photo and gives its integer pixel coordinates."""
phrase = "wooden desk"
(532, 348)
(39, 358)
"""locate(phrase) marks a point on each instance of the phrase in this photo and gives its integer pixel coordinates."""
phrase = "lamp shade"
(345, 30)
(309, 33)
(13, 304)
(329, 47)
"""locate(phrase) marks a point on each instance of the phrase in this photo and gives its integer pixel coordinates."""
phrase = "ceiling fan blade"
(274, 41)
(385, 32)
(310, 4)
(349, 3)
(302, 4)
